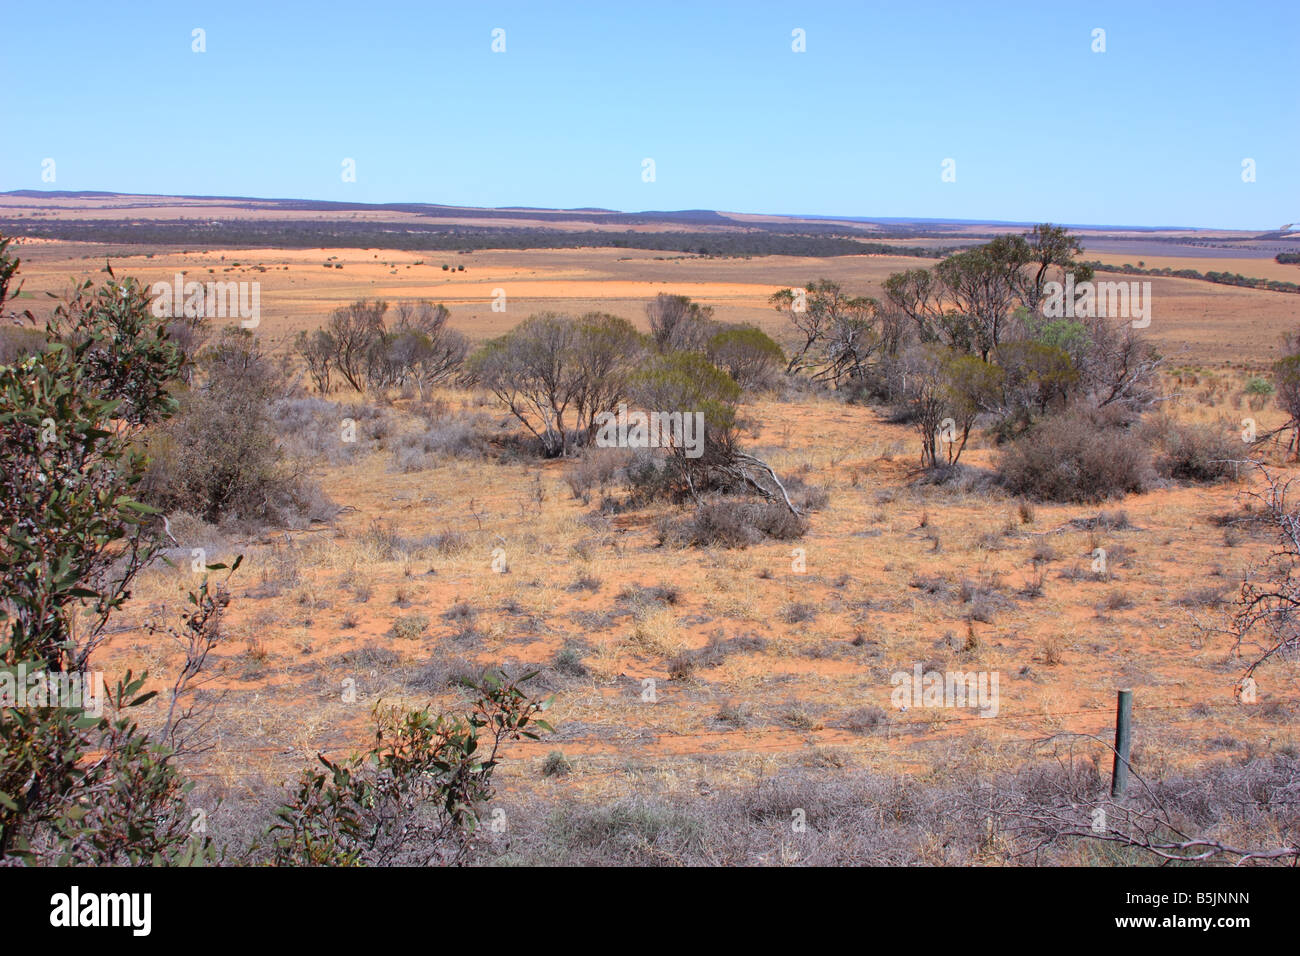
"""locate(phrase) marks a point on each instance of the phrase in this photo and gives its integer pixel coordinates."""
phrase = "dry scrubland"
(772, 686)
(758, 668)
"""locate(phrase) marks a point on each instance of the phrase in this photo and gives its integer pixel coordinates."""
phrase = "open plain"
(694, 671)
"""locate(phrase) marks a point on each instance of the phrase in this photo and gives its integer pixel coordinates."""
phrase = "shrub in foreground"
(415, 797)
(732, 523)
(1077, 456)
(219, 457)
(1187, 451)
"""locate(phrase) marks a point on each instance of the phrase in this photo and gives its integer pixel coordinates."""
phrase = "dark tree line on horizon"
(189, 233)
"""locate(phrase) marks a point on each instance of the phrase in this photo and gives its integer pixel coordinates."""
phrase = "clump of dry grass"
(1035, 582)
(660, 593)
(655, 630)
(1042, 552)
(864, 720)
(798, 612)
(1116, 600)
(556, 765)
(410, 626)
(1051, 650)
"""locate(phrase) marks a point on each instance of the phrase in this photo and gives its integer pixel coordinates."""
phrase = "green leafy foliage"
(82, 790)
(121, 347)
(9, 265)
(416, 796)
(79, 787)
(748, 354)
(73, 530)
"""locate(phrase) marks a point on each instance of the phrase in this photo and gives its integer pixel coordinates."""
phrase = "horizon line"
(937, 220)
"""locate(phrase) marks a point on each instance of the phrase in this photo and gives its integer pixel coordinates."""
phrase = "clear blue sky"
(1151, 132)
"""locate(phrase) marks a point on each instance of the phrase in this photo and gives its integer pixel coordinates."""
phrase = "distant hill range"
(231, 221)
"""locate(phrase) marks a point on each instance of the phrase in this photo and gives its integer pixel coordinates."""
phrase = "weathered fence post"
(1123, 741)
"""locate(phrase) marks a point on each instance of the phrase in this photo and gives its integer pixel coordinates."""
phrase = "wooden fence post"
(1123, 742)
